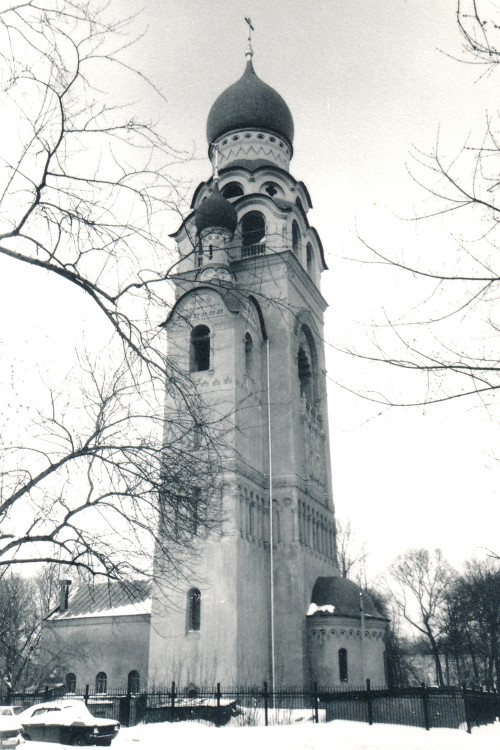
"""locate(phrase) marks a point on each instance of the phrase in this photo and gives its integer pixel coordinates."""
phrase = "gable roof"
(109, 599)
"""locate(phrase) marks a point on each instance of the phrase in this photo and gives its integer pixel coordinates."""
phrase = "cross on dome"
(249, 52)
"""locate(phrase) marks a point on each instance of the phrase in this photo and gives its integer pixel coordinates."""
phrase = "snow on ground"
(347, 735)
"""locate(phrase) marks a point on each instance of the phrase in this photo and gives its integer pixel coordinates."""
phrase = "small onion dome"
(216, 211)
(250, 103)
(343, 595)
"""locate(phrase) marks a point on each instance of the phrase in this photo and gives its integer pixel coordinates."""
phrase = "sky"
(369, 84)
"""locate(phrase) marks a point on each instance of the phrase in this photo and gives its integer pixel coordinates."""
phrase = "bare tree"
(351, 554)
(472, 623)
(449, 338)
(420, 581)
(85, 187)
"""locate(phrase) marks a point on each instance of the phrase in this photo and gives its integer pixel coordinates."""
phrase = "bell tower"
(248, 327)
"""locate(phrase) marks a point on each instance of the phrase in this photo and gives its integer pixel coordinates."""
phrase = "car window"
(40, 711)
(6, 711)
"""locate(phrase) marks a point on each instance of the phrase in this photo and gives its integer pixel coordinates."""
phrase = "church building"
(262, 598)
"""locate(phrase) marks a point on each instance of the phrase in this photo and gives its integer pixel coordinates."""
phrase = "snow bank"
(338, 734)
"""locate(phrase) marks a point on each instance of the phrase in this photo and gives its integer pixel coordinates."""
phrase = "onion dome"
(250, 103)
(343, 595)
(216, 211)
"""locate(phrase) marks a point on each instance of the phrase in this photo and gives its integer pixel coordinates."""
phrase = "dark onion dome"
(343, 595)
(216, 211)
(249, 103)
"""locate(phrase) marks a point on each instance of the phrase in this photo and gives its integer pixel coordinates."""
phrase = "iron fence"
(452, 707)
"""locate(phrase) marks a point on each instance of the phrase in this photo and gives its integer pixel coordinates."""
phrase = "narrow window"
(248, 355)
(295, 238)
(343, 674)
(310, 260)
(305, 375)
(199, 255)
(71, 683)
(200, 349)
(253, 228)
(194, 609)
(101, 683)
(133, 682)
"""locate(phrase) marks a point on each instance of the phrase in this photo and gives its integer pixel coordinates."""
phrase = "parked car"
(11, 730)
(68, 722)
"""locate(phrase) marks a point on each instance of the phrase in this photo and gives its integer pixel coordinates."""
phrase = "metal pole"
(362, 613)
(271, 534)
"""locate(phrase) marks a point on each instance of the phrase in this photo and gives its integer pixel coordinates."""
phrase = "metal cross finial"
(249, 52)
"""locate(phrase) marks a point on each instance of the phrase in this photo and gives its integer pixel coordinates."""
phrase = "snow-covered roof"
(109, 599)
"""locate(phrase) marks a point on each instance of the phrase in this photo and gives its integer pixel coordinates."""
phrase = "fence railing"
(452, 707)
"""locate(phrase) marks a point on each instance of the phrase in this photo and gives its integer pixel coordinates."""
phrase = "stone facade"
(101, 629)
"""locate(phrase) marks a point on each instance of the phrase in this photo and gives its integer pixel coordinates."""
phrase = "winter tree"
(85, 186)
(419, 583)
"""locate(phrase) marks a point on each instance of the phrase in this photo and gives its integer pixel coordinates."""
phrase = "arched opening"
(343, 671)
(253, 229)
(200, 349)
(134, 682)
(71, 682)
(194, 609)
(307, 367)
(295, 238)
(310, 259)
(232, 190)
(248, 355)
(305, 376)
(101, 682)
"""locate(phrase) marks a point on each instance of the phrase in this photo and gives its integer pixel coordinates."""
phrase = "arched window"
(70, 682)
(194, 609)
(253, 228)
(310, 259)
(307, 366)
(200, 349)
(305, 376)
(248, 355)
(343, 673)
(295, 238)
(133, 682)
(232, 190)
(101, 682)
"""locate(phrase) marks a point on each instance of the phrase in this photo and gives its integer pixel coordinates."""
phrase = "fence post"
(266, 704)
(369, 702)
(316, 702)
(86, 697)
(172, 696)
(9, 695)
(218, 695)
(466, 708)
(46, 693)
(129, 706)
(425, 702)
